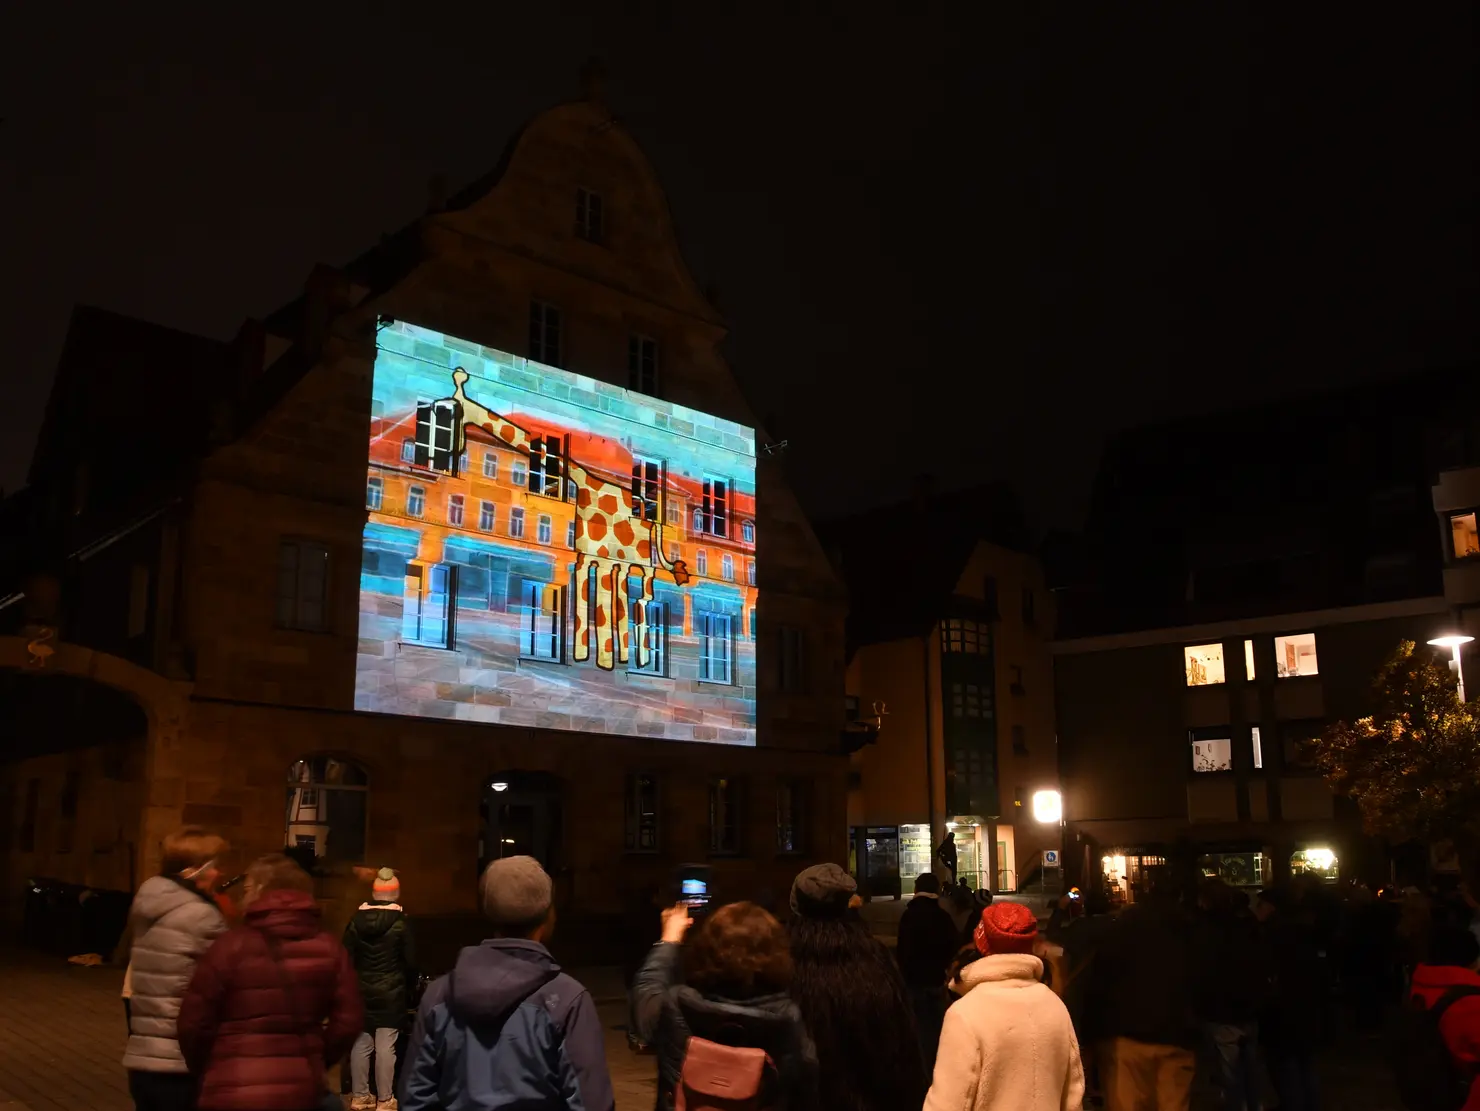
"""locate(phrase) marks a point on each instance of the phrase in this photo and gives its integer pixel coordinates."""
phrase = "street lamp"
(1452, 641)
(1048, 807)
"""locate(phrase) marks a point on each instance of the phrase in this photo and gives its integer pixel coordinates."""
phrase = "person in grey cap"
(507, 1027)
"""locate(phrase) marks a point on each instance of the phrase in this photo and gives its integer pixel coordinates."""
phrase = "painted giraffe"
(611, 543)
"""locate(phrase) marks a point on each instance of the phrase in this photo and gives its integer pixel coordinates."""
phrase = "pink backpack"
(719, 1077)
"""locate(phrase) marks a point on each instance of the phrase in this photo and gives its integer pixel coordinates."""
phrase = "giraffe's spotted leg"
(581, 651)
(605, 598)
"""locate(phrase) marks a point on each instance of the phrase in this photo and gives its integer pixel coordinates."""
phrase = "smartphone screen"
(695, 892)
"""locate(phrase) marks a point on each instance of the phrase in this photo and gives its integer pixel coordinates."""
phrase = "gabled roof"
(901, 562)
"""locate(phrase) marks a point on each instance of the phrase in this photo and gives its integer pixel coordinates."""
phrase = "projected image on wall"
(547, 550)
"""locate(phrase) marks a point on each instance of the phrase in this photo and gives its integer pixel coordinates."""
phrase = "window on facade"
(752, 622)
(715, 648)
(588, 215)
(791, 816)
(546, 466)
(642, 365)
(701, 562)
(545, 530)
(487, 514)
(747, 531)
(1463, 534)
(1204, 663)
(326, 811)
(1019, 741)
(1030, 613)
(724, 817)
(969, 700)
(544, 333)
(26, 842)
(429, 604)
(490, 465)
(455, 509)
(1298, 751)
(1211, 754)
(544, 622)
(971, 637)
(516, 522)
(649, 648)
(714, 516)
(750, 572)
(374, 493)
(518, 473)
(791, 660)
(436, 426)
(570, 534)
(1249, 660)
(642, 813)
(1295, 655)
(416, 501)
(303, 573)
(1256, 746)
(408, 450)
(727, 567)
(647, 488)
(672, 512)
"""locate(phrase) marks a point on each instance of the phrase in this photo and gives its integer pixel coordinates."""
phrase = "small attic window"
(588, 215)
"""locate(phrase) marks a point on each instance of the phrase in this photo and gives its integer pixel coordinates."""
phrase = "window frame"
(632, 813)
(708, 635)
(487, 510)
(431, 429)
(797, 792)
(590, 223)
(418, 494)
(726, 794)
(516, 522)
(1280, 673)
(490, 465)
(293, 620)
(1189, 660)
(716, 509)
(532, 602)
(643, 365)
(658, 665)
(456, 510)
(541, 328)
(425, 573)
(377, 484)
(1460, 515)
(1208, 735)
(320, 789)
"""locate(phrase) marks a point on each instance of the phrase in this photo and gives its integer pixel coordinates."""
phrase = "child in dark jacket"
(253, 1021)
(378, 940)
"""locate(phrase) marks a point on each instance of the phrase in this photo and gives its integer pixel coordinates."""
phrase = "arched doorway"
(521, 814)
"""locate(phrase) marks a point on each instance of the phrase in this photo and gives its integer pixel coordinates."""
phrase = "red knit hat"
(1006, 928)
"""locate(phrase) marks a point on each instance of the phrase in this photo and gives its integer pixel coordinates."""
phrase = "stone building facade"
(251, 725)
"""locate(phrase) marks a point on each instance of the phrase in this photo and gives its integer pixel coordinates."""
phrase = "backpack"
(1427, 1075)
(719, 1077)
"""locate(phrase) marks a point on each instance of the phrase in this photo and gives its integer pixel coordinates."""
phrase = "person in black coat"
(926, 944)
(378, 940)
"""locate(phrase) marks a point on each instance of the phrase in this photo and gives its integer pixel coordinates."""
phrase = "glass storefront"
(916, 855)
(1250, 869)
(1318, 862)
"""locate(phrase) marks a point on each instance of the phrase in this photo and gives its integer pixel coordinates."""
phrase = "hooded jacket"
(252, 1043)
(173, 924)
(669, 1013)
(1460, 1024)
(378, 940)
(506, 1028)
(927, 942)
(1007, 1042)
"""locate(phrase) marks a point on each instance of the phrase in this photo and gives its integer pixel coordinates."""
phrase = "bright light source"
(1451, 640)
(508, 840)
(1048, 806)
(500, 786)
(1321, 859)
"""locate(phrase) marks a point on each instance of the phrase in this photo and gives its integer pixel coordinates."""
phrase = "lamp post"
(1453, 641)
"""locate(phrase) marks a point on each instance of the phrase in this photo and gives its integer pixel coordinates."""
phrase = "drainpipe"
(929, 757)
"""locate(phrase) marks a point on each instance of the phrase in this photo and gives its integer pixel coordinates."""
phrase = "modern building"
(468, 551)
(1231, 602)
(950, 685)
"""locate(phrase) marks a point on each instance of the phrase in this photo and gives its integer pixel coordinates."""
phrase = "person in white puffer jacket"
(174, 921)
(1007, 1043)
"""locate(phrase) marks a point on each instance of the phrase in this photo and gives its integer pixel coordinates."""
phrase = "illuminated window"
(544, 531)
(408, 450)
(374, 493)
(462, 463)
(487, 513)
(544, 333)
(570, 534)
(969, 700)
(1249, 660)
(490, 465)
(326, 811)
(642, 813)
(698, 519)
(1463, 534)
(544, 622)
(1256, 746)
(724, 816)
(642, 365)
(649, 649)
(715, 648)
(303, 572)
(1212, 754)
(416, 501)
(518, 473)
(429, 604)
(747, 531)
(727, 567)
(516, 522)
(435, 433)
(1295, 655)
(454, 509)
(672, 512)
(791, 816)
(647, 487)
(714, 517)
(588, 215)
(701, 562)
(791, 660)
(970, 637)
(1204, 664)
(546, 467)
(750, 572)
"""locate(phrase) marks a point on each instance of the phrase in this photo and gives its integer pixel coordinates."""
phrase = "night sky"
(970, 244)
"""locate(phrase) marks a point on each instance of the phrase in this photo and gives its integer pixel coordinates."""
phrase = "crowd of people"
(245, 1007)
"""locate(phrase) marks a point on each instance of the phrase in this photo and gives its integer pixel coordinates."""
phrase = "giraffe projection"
(614, 542)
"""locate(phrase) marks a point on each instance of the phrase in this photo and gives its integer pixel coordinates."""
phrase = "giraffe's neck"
(501, 428)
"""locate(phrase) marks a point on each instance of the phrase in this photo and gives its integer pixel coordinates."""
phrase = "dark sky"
(971, 244)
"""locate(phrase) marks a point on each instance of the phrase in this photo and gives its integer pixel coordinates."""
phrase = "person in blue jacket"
(508, 1028)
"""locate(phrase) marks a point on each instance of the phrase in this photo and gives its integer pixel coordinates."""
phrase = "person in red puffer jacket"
(1454, 956)
(271, 1002)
